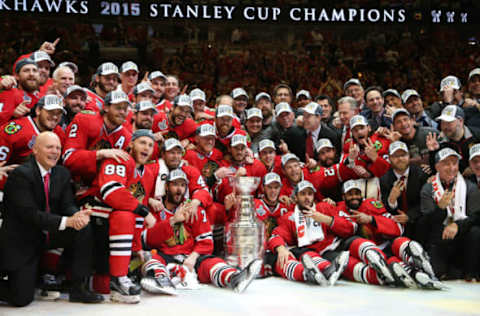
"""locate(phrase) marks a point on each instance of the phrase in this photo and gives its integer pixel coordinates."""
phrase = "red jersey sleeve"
(8, 102)
(342, 225)
(284, 234)
(113, 183)
(384, 223)
(197, 186)
(202, 232)
(76, 157)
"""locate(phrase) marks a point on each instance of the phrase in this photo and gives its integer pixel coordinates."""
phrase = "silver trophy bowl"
(244, 235)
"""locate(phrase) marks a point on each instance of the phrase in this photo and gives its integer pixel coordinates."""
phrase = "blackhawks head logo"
(102, 144)
(11, 128)
(138, 191)
(180, 235)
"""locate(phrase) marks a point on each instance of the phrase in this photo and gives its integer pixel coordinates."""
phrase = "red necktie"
(46, 186)
(404, 196)
(309, 146)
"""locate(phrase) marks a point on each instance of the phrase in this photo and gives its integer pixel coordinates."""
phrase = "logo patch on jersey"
(261, 211)
(170, 134)
(27, 98)
(163, 215)
(180, 235)
(270, 224)
(138, 191)
(378, 145)
(209, 169)
(88, 112)
(162, 125)
(102, 144)
(11, 128)
(32, 141)
(377, 204)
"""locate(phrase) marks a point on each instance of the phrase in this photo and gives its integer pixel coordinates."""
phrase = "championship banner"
(164, 10)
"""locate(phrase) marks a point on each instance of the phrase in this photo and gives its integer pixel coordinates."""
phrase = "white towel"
(161, 180)
(456, 209)
(308, 231)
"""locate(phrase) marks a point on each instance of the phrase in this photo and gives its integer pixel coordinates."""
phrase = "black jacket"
(24, 217)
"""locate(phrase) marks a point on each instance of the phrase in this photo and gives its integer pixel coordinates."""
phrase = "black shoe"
(81, 294)
(242, 279)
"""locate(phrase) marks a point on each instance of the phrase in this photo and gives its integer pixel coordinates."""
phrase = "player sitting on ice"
(307, 239)
(396, 260)
(188, 241)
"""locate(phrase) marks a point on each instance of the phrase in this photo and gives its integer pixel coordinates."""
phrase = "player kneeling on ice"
(309, 238)
(188, 241)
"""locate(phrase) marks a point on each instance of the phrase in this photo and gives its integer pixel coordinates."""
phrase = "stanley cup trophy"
(244, 235)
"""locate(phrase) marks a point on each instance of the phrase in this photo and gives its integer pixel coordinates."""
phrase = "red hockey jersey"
(86, 134)
(121, 186)
(206, 164)
(10, 99)
(161, 123)
(181, 239)
(384, 227)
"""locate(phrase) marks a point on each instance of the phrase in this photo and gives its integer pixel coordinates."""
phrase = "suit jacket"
(295, 137)
(25, 218)
(416, 179)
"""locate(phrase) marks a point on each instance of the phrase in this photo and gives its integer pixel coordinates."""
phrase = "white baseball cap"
(450, 113)
(302, 185)
(397, 145)
(445, 153)
(115, 97)
(351, 184)
(351, 82)
(313, 108)
(474, 151)
(171, 143)
(474, 72)
(262, 95)
(176, 174)
(106, 69)
(322, 143)
(266, 143)
(409, 93)
(197, 94)
(450, 82)
(206, 130)
(238, 140)
(51, 102)
(183, 100)
(224, 110)
(145, 105)
(156, 74)
(358, 120)
(237, 92)
(254, 112)
(129, 65)
(304, 93)
(271, 177)
(282, 107)
(287, 157)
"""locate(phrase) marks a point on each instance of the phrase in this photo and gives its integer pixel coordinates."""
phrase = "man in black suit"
(40, 214)
(400, 188)
(314, 129)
